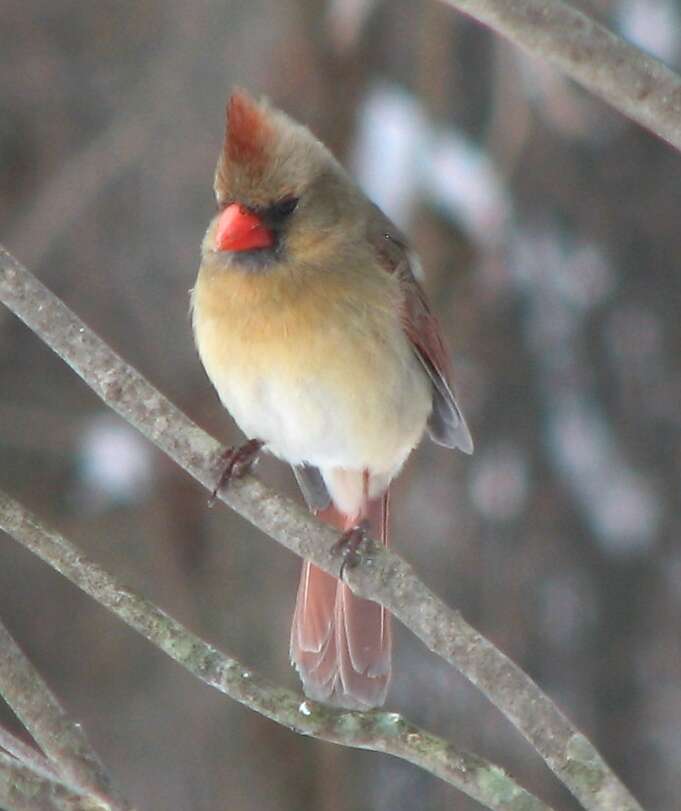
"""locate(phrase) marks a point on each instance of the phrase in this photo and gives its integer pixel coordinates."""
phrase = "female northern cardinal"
(320, 343)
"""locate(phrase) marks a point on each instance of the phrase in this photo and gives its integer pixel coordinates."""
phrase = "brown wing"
(446, 424)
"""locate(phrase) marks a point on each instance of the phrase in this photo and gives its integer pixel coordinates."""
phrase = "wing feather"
(446, 425)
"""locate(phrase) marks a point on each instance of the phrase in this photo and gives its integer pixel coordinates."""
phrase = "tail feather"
(312, 633)
(341, 643)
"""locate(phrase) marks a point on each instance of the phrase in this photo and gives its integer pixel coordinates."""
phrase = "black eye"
(284, 208)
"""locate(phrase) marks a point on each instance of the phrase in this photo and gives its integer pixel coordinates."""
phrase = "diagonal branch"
(385, 578)
(28, 755)
(638, 85)
(378, 731)
(62, 740)
(22, 789)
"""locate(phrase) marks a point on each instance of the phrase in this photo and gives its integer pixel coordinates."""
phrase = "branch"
(378, 731)
(22, 789)
(27, 755)
(62, 740)
(638, 85)
(384, 577)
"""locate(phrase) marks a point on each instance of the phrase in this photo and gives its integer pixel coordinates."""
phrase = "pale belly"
(321, 400)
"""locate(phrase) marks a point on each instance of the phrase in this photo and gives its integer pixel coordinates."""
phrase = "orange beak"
(241, 230)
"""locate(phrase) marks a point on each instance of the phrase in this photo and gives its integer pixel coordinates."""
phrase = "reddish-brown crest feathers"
(248, 130)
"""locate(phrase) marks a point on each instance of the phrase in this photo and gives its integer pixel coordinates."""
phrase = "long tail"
(340, 643)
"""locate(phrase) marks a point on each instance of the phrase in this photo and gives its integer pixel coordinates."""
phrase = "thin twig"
(379, 731)
(62, 740)
(385, 577)
(638, 85)
(22, 789)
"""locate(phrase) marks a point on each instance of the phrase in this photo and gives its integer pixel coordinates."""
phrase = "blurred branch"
(508, 125)
(28, 755)
(638, 85)
(119, 145)
(80, 179)
(22, 789)
(377, 731)
(73, 761)
(383, 577)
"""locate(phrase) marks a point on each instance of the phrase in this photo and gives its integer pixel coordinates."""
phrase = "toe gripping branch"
(237, 461)
(348, 545)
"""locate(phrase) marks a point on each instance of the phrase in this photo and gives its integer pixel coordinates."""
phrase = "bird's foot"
(237, 461)
(348, 545)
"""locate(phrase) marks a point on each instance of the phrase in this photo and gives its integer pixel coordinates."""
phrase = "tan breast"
(315, 363)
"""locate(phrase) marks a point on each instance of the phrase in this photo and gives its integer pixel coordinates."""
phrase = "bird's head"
(281, 195)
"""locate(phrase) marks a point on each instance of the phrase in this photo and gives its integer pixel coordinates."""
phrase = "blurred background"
(549, 230)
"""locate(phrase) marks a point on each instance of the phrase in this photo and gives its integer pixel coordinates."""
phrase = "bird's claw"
(237, 461)
(348, 545)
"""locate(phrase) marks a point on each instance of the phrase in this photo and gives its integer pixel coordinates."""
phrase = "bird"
(312, 326)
